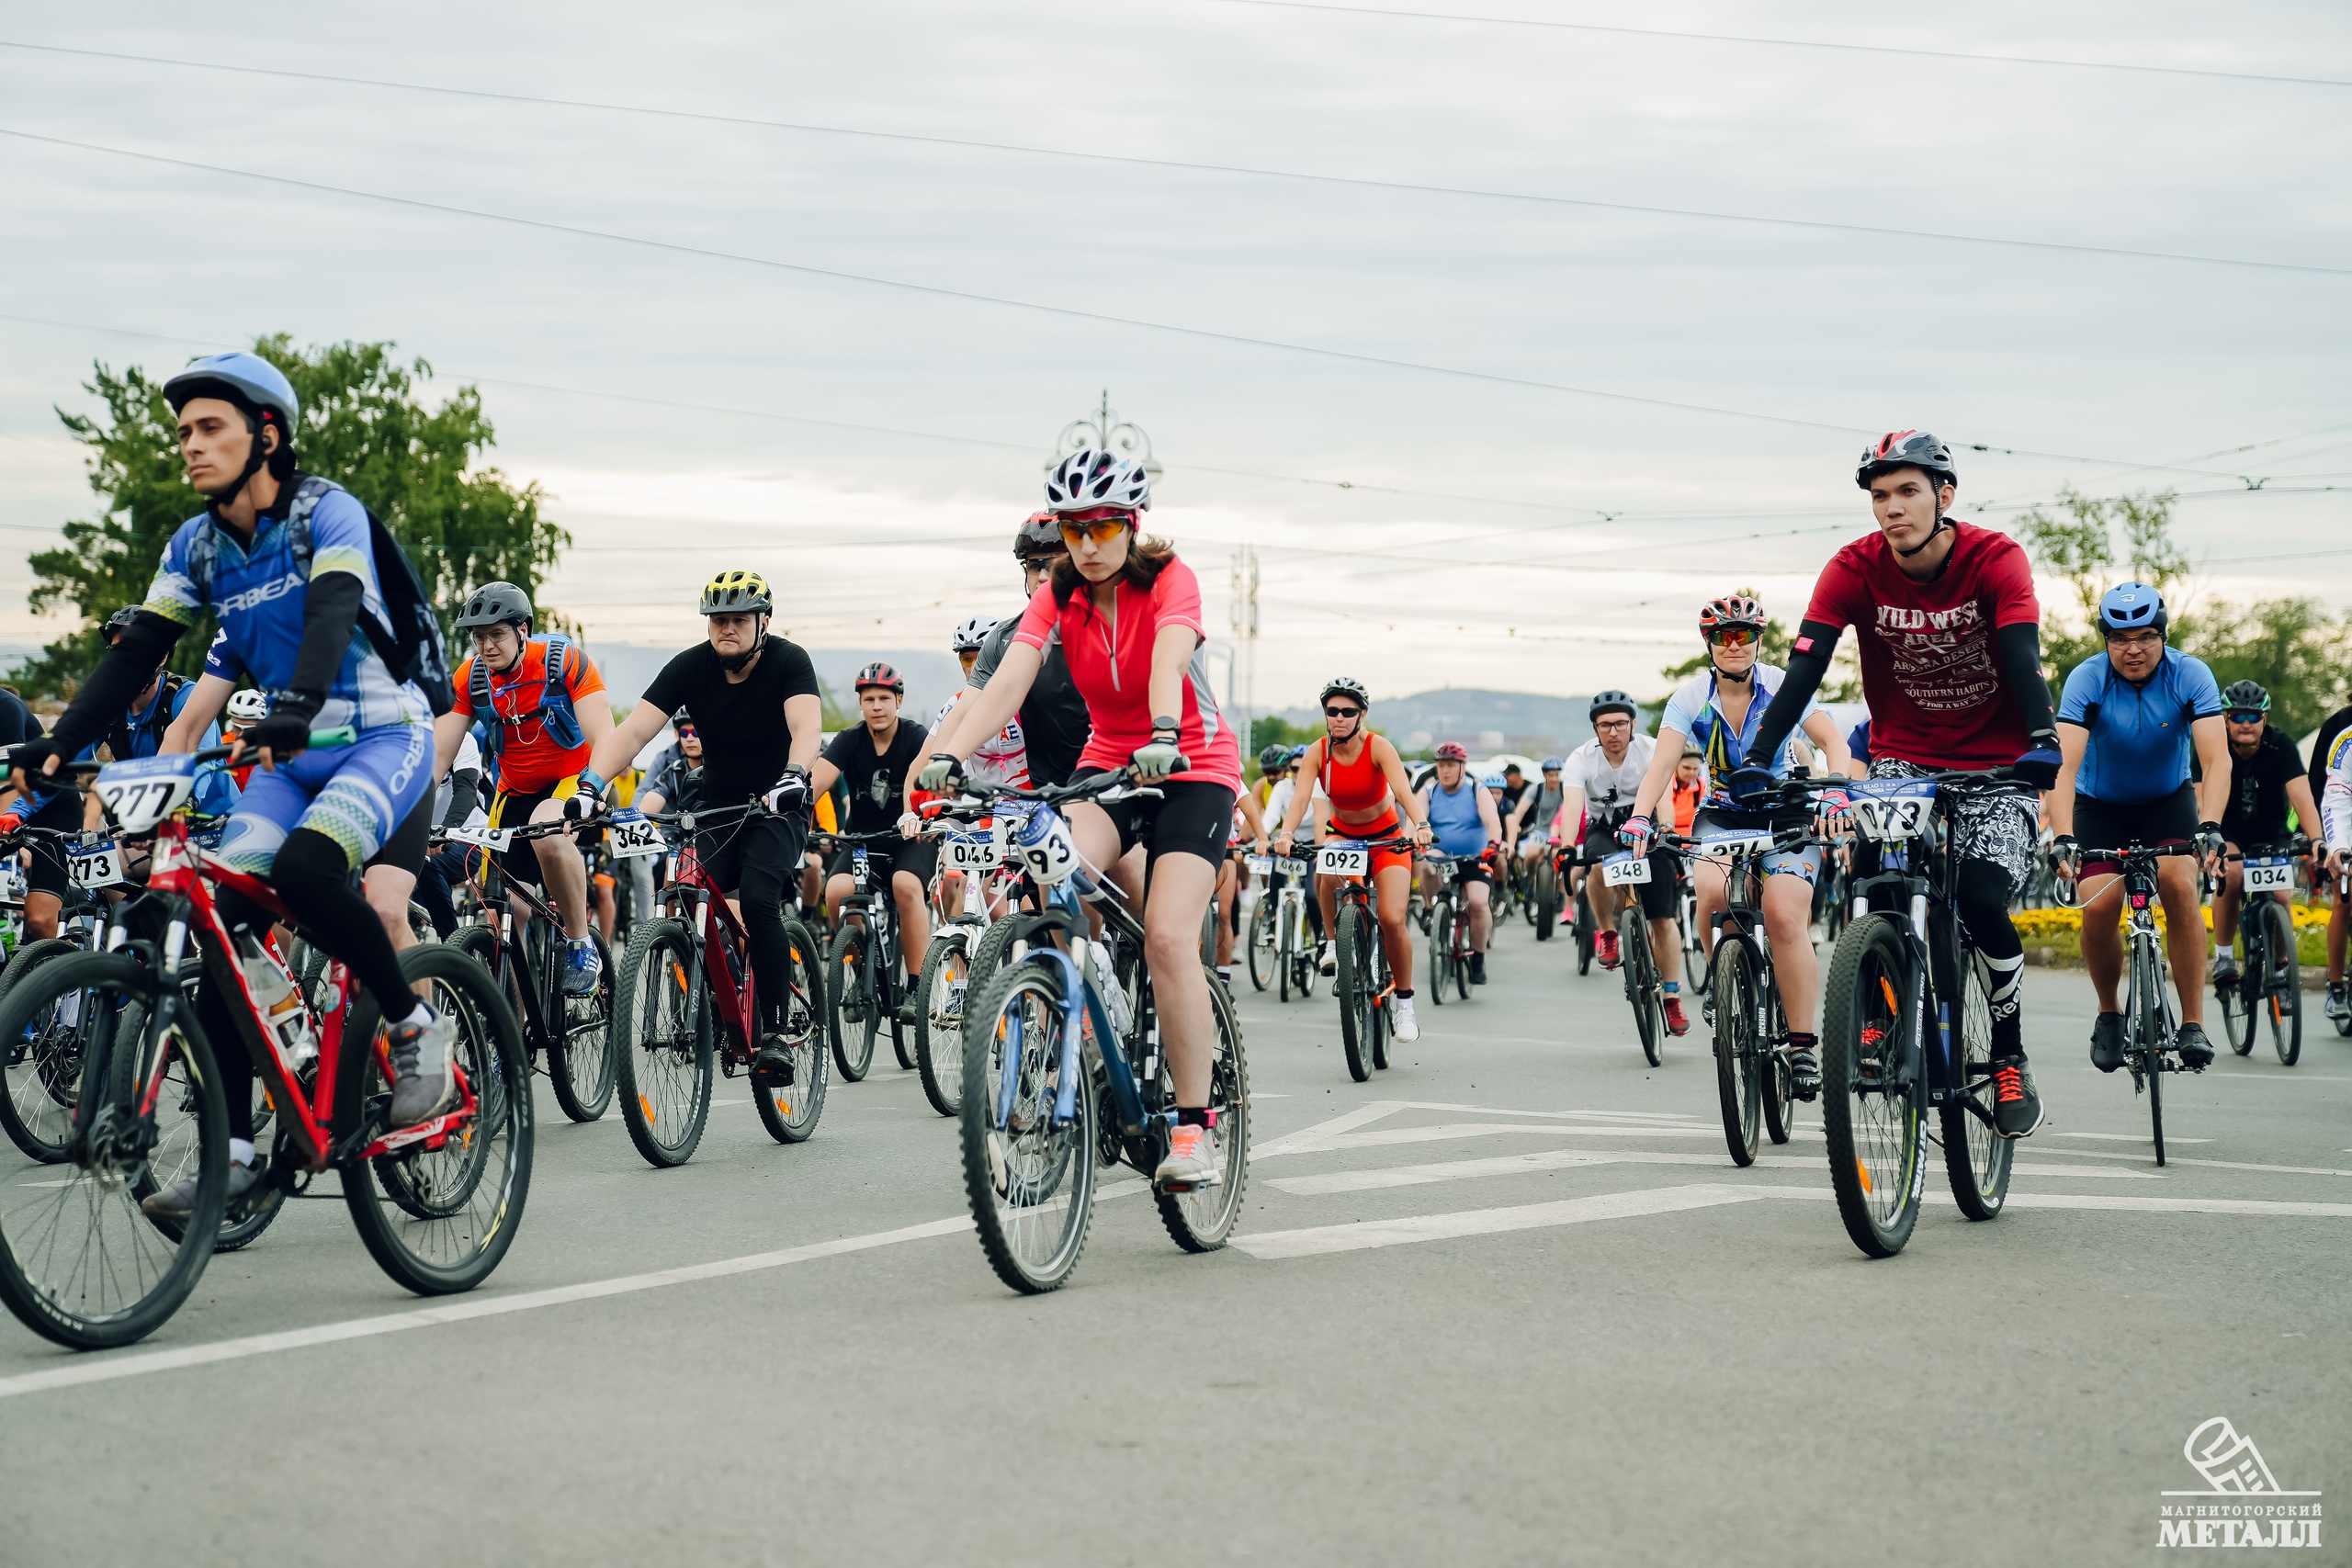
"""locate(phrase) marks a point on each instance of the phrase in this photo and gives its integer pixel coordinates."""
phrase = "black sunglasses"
(2246, 718)
(1343, 713)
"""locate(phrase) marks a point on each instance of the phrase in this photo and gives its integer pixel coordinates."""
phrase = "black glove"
(29, 760)
(1747, 784)
(587, 796)
(2039, 766)
(2210, 842)
(286, 733)
(789, 795)
(2065, 848)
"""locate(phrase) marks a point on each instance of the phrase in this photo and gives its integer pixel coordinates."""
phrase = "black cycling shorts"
(917, 857)
(1659, 892)
(520, 860)
(404, 850)
(761, 852)
(1191, 817)
(2114, 825)
(47, 873)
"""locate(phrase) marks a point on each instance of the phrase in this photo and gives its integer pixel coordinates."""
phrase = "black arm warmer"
(329, 609)
(2019, 650)
(121, 675)
(462, 795)
(1806, 671)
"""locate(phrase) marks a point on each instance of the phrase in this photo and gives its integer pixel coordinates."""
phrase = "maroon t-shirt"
(1938, 697)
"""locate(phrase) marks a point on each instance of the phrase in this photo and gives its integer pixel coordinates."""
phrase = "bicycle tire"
(1976, 1158)
(1383, 993)
(1739, 1094)
(1019, 1171)
(2284, 1004)
(1261, 955)
(939, 1030)
(1440, 939)
(172, 1153)
(2241, 999)
(1349, 984)
(1585, 926)
(1195, 1223)
(1779, 1096)
(662, 1058)
(1868, 970)
(44, 1072)
(1461, 964)
(790, 1112)
(582, 1071)
(1547, 900)
(2147, 1011)
(848, 965)
(1638, 963)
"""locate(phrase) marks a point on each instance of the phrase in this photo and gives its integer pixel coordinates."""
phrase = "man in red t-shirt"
(1951, 668)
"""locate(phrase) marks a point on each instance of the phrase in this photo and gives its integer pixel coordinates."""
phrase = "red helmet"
(1731, 610)
(1453, 752)
(880, 674)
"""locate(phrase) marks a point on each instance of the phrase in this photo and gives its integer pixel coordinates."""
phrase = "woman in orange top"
(1365, 779)
(1689, 784)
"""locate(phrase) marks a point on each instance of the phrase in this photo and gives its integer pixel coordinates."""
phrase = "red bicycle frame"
(735, 995)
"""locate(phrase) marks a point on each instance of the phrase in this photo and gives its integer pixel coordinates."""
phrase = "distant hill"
(932, 676)
(1483, 721)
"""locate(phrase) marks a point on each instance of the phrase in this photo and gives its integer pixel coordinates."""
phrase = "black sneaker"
(772, 1068)
(1804, 1073)
(2017, 1110)
(2195, 1051)
(2107, 1041)
(1478, 968)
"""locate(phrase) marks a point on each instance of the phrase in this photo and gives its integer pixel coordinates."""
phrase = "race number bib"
(1343, 860)
(633, 834)
(1891, 811)
(1295, 866)
(139, 795)
(966, 852)
(2269, 874)
(1259, 865)
(492, 838)
(1047, 850)
(1735, 840)
(100, 865)
(1626, 870)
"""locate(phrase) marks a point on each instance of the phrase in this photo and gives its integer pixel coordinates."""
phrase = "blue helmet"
(2131, 607)
(247, 380)
(1297, 752)
(1492, 781)
(1554, 764)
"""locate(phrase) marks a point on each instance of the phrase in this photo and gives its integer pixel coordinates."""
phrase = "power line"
(1802, 43)
(1196, 166)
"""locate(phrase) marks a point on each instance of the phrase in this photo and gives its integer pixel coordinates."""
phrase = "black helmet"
(1907, 450)
(1040, 536)
(495, 604)
(1612, 702)
(1345, 686)
(1271, 758)
(2241, 696)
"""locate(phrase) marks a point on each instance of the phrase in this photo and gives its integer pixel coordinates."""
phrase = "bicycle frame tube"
(734, 996)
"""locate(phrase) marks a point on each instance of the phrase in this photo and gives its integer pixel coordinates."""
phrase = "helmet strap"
(736, 663)
(255, 461)
(1738, 678)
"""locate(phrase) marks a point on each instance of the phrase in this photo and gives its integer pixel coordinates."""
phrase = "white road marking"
(2272, 1208)
(2128, 1137)
(1321, 1239)
(2210, 1163)
(1448, 1131)
(1560, 1159)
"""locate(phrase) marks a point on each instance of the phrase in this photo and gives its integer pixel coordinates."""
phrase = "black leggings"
(759, 862)
(314, 880)
(1982, 900)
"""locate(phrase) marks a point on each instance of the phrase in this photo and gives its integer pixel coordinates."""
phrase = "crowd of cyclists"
(364, 776)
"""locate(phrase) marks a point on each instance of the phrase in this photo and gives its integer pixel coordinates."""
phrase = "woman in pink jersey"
(1128, 614)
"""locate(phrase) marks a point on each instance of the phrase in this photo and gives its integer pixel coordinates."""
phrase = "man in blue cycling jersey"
(309, 819)
(2127, 722)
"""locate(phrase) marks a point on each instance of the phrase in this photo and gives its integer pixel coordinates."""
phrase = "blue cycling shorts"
(1806, 863)
(356, 795)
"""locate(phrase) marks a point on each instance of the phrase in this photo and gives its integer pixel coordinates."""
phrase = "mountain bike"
(1062, 1066)
(1638, 964)
(437, 1204)
(686, 997)
(520, 939)
(1753, 1066)
(968, 846)
(1448, 929)
(1282, 942)
(865, 969)
(1545, 890)
(2149, 1047)
(43, 1061)
(1587, 924)
(1907, 1015)
(1360, 979)
(2269, 984)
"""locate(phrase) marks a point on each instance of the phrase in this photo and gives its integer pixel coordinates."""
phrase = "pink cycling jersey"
(1110, 663)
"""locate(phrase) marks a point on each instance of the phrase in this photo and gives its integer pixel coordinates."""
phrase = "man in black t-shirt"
(2339, 924)
(877, 760)
(1054, 720)
(753, 700)
(47, 880)
(2267, 778)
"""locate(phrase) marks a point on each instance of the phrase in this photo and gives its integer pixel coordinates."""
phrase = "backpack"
(410, 646)
(123, 743)
(555, 711)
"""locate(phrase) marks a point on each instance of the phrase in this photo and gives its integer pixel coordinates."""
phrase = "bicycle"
(1279, 940)
(946, 985)
(437, 1204)
(2270, 985)
(1544, 892)
(1902, 960)
(865, 969)
(1754, 1068)
(686, 997)
(1063, 1071)
(1360, 979)
(1448, 931)
(1587, 924)
(2149, 1027)
(42, 1062)
(1636, 961)
(524, 952)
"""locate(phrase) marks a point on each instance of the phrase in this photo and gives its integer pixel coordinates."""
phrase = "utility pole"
(1244, 603)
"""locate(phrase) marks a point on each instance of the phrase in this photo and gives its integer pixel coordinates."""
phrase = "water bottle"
(1106, 986)
(281, 1005)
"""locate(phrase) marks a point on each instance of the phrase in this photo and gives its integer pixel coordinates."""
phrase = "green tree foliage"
(363, 425)
(2077, 543)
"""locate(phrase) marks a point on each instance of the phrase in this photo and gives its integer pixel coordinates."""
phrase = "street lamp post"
(1106, 430)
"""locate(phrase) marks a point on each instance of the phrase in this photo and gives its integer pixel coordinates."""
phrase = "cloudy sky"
(813, 289)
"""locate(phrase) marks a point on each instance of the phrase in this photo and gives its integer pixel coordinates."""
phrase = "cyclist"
(1533, 827)
(2266, 779)
(153, 715)
(1462, 822)
(246, 707)
(1126, 613)
(47, 879)
(540, 703)
(1689, 786)
(1364, 780)
(753, 700)
(1721, 709)
(1604, 779)
(2339, 921)
(1951, 646)
(2128, 718)
(303, 628)
(1053, 721)
(1247, 838)
(2335, 812)
(878, 760)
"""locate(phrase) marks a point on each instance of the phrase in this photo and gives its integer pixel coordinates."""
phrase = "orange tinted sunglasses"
(1101, 529)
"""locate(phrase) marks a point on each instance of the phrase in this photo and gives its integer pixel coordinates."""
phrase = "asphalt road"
(1646, 1356)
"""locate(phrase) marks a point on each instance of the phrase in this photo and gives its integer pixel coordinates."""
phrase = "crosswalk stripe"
(1561, 1159)
(1320, 1239)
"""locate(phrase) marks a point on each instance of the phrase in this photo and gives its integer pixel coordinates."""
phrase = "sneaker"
(1401, 1021)
(1804, 1072)
(2337, 1009)
(2107, 1041)
(772, 1068)
(1478, 968)
(2017, 1110)
(1604, 947)
(423, 1086)
(1326, 961)
(177, 1201)
(2196, 1050)
(1190, 1161)
(581, 965)
(1676, 1021)
(2224, 969)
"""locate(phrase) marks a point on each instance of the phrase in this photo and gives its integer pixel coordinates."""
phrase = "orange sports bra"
(1359, 785)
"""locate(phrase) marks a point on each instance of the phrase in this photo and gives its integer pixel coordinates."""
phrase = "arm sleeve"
(1808, 664)
(121, 675)
(837, 749)
(464, 789)
(2078, 694)
(2018, 644)
(1038, 620)
(799, 672)
(330, 611)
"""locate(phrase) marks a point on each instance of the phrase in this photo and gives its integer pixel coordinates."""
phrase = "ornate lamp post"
(1106, 430)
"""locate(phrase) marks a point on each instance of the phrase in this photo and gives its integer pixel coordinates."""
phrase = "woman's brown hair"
(1147, 555)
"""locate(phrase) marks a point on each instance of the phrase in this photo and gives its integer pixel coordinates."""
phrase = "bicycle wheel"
(439, 1219)
(1352, 985)
(1779, 1095)
(988, 953)
(1203, 1219)
(1585, 927)
(1976, 1158)
(789, 1111)
(1383, 991)
(1640, 968)
(1030, 1177)
(940, 997)
(177, 1144)
(856, 1010)
(1264, 960)
(582, 1073)
(1461, 964)
(1547, 899)
(1738, 1056)
(2284, 1004)
(1871, 1098)
(1440, 940)
(44, 1059)
(81, 1265)
(662, 1040)
(2144, 1012)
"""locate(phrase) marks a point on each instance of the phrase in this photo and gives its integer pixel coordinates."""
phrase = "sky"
(1615, 351)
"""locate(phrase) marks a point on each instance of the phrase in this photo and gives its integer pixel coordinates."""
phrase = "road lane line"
(2211, 1164)
(1312, 1137)
(1321, 1239)
(2268, 1208)
(1384, 1176)
(88, 1368)
(2126, 1138)
(1445, 1131)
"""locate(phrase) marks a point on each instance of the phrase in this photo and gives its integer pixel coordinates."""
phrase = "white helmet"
(1091, 477)
(971, 635)
(248, 707)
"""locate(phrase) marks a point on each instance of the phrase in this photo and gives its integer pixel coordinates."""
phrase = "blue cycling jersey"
(258, 594)
(1691, 711)
(2139, 746)
(1453, 818)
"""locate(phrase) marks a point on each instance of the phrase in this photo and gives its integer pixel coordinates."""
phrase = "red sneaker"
(1676, 1021)
(1604, 947)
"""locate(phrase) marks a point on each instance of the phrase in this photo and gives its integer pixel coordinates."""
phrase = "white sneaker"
(1191, 1160)
(1326, 961)
(1401, 1021)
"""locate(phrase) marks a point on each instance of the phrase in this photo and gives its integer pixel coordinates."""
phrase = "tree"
(2077, 544)
(363, 425)
(1842, 685)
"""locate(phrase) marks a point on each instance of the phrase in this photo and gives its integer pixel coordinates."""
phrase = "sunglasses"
(1101, 530)
(2246, 718)
(1732, 636)
(688, 732)
(1343, 713)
